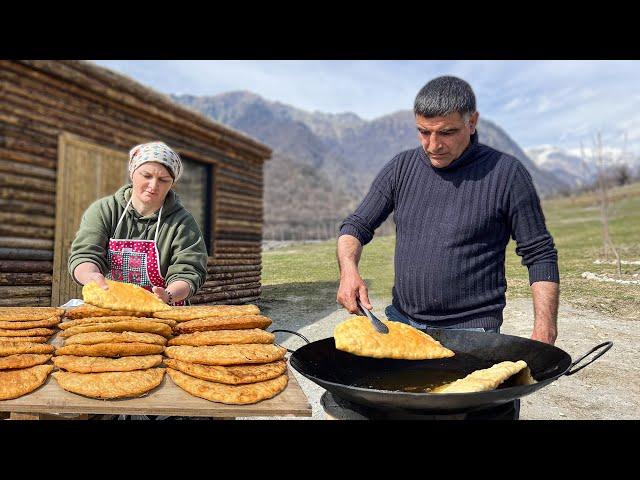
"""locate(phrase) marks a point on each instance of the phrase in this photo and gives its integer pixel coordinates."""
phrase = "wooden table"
(166, 399)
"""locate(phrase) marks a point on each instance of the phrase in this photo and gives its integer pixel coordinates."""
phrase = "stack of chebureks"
(111, 354)
(223, 354)
(24, 351)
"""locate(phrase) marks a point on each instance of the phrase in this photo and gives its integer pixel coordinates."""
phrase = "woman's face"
(151, 183)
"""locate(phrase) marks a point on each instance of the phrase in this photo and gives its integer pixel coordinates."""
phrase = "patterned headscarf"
(155, 152)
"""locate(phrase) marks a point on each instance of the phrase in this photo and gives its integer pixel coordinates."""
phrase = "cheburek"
(113, 319)
(29, 332)
(483, 380)
(227, 354)
(13, 348)
(15, 383)
(110, 384)
(357, 335)
(223, 337)
(88, 310)
(183, 314)
(47, 322)
(223, 323)
(122, 296)
(24, 339)
(126, 326)
(91, 338)
(21, 314)
(110, 349)
(236, 375)
(230, 394)
(82, 364)
(23, 360)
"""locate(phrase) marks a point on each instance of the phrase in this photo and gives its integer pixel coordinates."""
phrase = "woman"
(142, 234)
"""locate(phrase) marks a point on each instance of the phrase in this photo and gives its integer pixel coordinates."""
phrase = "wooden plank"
(21, 206)
(27, 183)
(26, 266)
(29, 219)
(32, 243)
(26, 302)
(25, 231)
(25, 254)
(232, 301)
(10, 166)
(24, 291)
(25, 278)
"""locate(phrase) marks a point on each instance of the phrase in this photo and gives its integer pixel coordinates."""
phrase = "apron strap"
(115, 234)
(155, 239)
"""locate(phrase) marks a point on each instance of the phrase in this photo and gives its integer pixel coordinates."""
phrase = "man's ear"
(473, 122)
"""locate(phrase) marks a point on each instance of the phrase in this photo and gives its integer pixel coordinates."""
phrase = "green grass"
(311, 270)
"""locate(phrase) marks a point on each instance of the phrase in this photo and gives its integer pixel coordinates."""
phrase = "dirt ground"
(607, 389)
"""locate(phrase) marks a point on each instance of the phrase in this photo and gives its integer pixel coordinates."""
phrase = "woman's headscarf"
(155, 152)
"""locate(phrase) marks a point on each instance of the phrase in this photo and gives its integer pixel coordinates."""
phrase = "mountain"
(323, 164)
(580, 168)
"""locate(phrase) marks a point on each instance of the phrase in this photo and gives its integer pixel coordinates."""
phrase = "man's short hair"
(443, 96)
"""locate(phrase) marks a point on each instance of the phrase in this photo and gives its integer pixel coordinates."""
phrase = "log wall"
(40, 100)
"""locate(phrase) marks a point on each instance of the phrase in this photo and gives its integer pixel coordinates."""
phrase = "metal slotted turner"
(375, 321)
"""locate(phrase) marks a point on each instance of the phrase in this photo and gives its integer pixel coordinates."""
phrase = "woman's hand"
(162, 294)
(88, 272)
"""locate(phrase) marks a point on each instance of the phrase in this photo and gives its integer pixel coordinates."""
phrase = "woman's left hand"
(161, 293)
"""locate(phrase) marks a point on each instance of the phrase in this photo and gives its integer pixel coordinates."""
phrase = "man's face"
(445, 138)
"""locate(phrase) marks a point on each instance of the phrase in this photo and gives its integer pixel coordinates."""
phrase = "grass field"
(309, 272)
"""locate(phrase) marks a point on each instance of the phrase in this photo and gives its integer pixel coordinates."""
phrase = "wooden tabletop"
(166, 399)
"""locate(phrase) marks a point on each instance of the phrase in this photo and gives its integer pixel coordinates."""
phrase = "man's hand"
(98, 278)
(352, 287)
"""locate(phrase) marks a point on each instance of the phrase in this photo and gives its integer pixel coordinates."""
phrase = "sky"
(542, 102)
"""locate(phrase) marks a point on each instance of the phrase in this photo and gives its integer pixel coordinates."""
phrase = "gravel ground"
(607, 389)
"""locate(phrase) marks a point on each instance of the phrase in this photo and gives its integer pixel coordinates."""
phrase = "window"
(195, 189)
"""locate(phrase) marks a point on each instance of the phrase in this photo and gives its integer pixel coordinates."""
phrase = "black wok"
(386, 383)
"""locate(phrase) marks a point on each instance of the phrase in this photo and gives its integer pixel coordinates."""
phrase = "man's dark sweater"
(452, 228)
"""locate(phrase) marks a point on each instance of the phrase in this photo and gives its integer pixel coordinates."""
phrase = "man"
(456, 203)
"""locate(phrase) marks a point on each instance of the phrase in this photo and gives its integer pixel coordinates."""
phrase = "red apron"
(135, 261)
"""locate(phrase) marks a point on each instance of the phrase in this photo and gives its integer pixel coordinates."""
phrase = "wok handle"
(606, 345)
(295, 333)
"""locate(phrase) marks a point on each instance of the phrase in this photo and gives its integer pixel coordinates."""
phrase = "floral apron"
(135, 261)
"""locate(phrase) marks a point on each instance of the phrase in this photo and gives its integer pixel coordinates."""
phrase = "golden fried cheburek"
(23, 360)
(183, 314)
(83, 364)
(22, 314)
(15, 383)
(110, 384)
(28, 332)
(230, 394)
(142, 326)
(483, 380)
(223, 323)
(13, 348)
(118, 318)
(110, 349)
(122, 296)
(227, 354)
(47, 322)
(235, 375)
(357, 335)
(24, 339)
(88, 310)
(223, 337)
(92, 338)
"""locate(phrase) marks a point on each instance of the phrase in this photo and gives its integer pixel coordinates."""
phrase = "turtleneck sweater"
(453, 225)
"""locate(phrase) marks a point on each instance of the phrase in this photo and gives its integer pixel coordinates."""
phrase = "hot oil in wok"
(425, 376)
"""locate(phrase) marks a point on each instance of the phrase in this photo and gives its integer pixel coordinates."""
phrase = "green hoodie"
(183, 255)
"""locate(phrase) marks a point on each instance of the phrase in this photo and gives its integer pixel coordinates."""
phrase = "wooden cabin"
(66, 128)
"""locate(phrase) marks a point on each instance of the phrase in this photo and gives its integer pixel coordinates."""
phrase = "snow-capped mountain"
(579, 167)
